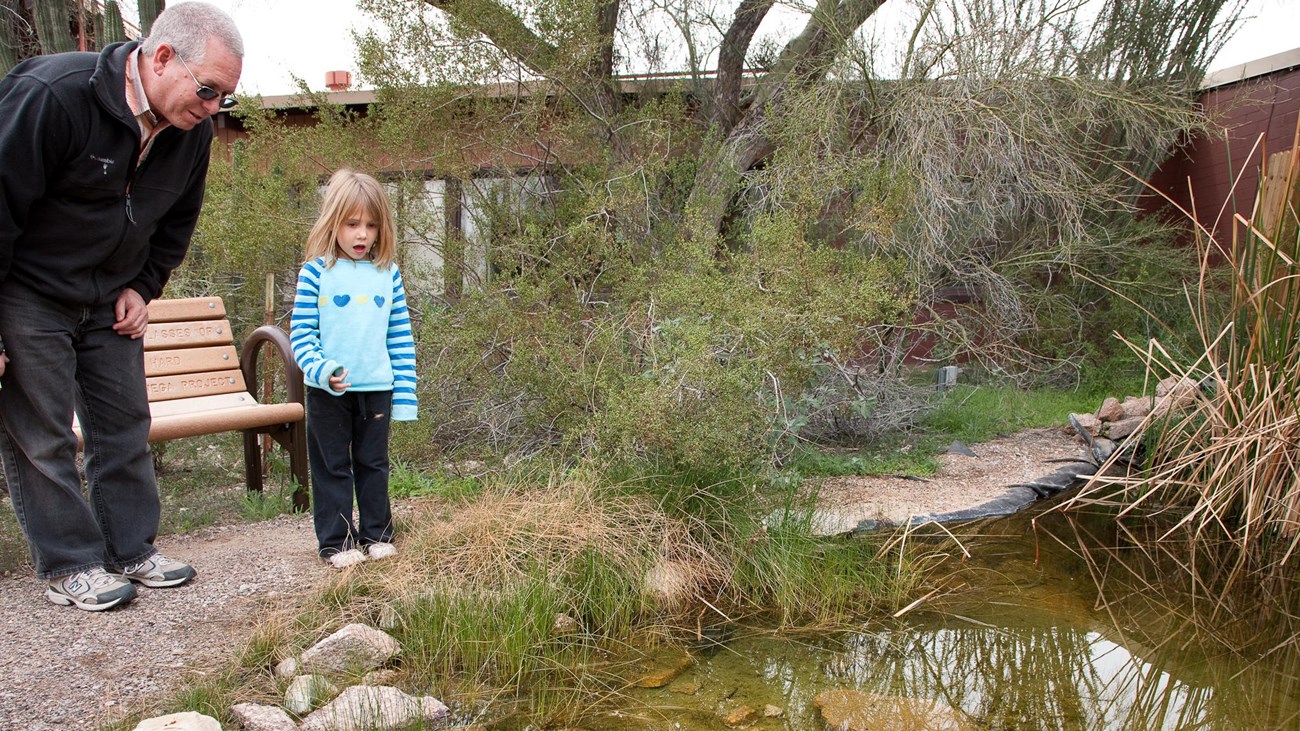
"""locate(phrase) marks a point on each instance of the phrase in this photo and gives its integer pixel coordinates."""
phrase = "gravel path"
(69, 670)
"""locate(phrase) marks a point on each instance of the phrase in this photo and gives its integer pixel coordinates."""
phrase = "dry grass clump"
(507, 536)
(1226, 463)
(527, 593)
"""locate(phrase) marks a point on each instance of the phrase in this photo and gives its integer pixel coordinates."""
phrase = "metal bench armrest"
(248, 361)
(291, 436)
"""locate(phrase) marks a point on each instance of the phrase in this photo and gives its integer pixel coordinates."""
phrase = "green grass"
(969, 414)
(899, 456)
(405, 482)
(806, 580)
(270, 502)
(972, 414)
(13, 547)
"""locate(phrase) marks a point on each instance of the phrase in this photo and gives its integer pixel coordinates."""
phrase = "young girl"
(351, 336)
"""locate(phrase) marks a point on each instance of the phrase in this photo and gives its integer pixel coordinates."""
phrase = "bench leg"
(293, 437)
(252, 462)
(297, 446)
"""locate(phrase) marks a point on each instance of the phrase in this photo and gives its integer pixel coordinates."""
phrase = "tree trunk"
(719, 176)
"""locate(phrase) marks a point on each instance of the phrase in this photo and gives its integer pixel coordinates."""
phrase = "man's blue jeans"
(62, 357)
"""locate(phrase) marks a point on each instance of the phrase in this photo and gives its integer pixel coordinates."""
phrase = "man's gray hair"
(186, 27)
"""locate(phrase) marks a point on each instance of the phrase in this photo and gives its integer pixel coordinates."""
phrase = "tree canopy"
(707, 232)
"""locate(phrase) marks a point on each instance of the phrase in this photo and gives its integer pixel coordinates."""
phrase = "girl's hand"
(339, 382)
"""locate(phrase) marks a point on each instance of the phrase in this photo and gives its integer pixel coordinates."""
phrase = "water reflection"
(1023, 644)
(1041, 678)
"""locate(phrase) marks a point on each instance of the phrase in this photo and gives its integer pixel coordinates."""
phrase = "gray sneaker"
(93, 590)
(159, 571)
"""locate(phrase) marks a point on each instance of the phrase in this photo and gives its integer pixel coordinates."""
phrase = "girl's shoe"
(380, 550)
(344, 559)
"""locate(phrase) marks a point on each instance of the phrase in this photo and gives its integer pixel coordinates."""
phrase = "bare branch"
(505, 29)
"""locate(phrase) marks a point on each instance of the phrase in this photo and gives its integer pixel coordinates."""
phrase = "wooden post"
(268, 374)
(453, 247)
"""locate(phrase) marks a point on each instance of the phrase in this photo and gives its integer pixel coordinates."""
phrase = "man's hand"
(4, 360)
(132, 314)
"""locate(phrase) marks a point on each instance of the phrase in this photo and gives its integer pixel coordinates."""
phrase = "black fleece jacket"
(80, 217)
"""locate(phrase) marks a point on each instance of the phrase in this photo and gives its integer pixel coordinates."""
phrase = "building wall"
(1257, 117)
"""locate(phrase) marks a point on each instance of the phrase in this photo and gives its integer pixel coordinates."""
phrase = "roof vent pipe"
(338, 80)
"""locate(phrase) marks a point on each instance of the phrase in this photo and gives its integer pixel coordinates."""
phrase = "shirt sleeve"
(304, 329)
(401, 353)
(36, 139)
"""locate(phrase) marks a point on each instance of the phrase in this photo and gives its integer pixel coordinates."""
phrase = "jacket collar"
(109, 79)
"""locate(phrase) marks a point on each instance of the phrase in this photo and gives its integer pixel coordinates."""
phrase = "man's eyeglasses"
(205, 92)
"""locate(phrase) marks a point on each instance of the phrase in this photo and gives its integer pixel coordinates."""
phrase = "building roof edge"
(1251, 69)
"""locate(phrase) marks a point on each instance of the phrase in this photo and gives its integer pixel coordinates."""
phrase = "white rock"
(1089, 422)
(374, 708)
(355, 647)
(257, 717)
(187, 721)
(308, 691)
(1123, 428)
(287, 668)
(1174, 394)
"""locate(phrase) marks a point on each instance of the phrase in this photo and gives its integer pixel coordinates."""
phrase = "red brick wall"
(1263, 109)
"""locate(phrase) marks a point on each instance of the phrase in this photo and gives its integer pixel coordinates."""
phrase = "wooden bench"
(198, 384)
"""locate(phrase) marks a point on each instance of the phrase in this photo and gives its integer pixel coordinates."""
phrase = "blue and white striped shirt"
(353, 315)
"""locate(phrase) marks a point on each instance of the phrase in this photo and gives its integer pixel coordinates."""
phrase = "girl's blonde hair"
(350, 193)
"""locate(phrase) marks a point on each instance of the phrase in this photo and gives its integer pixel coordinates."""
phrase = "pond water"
(1019, 640)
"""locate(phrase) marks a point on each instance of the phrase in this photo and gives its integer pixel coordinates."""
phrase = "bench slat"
(249, 417)
(190, 360)
(191, 308)
(189, 385)
(212, 415)
(200, 404)
(187, 334)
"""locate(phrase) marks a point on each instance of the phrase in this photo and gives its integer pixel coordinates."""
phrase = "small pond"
(1020, 640)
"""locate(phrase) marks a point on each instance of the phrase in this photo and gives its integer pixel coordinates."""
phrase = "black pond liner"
(1017, 497)
(1076, 471)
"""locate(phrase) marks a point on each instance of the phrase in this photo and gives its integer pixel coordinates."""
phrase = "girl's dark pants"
(347, 447)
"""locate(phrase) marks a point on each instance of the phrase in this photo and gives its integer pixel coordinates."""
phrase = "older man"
(104, 159)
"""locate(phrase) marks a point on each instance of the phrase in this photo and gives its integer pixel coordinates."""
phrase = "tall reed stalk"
(1225, 459)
